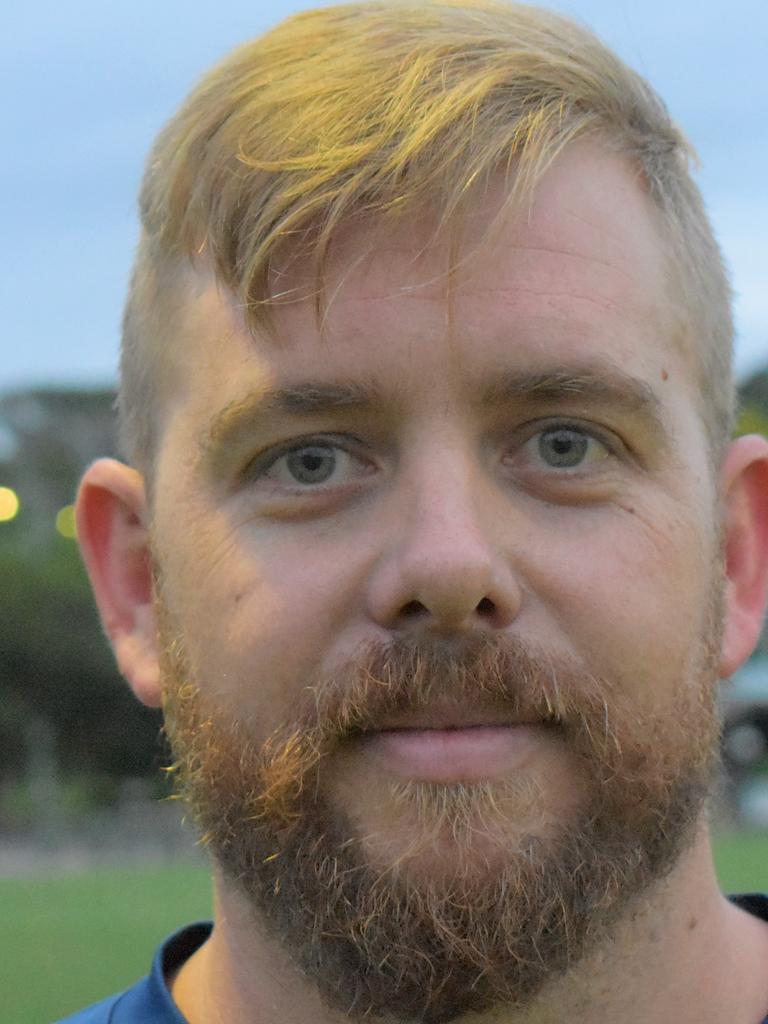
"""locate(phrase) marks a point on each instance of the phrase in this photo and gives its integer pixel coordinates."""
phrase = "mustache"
(389, 681)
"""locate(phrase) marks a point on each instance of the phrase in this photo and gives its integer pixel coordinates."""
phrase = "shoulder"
(148, 1001)
(99, 1013)
(137, 1005)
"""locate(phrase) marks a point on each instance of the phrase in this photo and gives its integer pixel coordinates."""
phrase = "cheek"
(260, 615)
(632, 595)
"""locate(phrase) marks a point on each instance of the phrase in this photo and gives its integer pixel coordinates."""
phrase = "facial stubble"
(386, 938)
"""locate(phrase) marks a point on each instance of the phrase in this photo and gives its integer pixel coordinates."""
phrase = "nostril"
(486, 607)
(412, 610)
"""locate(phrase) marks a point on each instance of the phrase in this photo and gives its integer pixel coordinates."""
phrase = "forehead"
(579, 274)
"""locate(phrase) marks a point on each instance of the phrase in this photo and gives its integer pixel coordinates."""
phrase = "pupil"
(311, 465)
(563, 448)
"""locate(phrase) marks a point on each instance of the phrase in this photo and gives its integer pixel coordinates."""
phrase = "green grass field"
(70, 941)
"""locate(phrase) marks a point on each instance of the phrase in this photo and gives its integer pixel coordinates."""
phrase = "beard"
(510, 909)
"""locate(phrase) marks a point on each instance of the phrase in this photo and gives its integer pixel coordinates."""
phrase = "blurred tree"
(55, 665)
(754, 391)
(752, 420)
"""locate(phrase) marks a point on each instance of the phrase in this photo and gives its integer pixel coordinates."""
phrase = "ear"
(112, 528)
(745, 500)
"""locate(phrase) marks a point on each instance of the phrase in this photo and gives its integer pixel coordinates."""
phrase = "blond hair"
(371, 109)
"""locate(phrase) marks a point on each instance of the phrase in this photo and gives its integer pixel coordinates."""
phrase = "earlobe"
(112, 527)
(745, 500)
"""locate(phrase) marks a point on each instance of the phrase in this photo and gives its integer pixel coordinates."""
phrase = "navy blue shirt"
(150, 1002)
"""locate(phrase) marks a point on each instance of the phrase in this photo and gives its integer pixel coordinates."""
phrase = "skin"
(443, 514)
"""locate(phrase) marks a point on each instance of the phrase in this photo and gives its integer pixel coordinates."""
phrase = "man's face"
(505, 472)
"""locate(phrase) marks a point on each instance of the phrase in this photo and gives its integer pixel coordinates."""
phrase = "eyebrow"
(603, 386)
(600, 386)
(301, 399)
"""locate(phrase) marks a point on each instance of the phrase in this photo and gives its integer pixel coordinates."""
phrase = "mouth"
(446, 745)
(445, 714)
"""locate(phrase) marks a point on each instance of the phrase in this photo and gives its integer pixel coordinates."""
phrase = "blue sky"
(87, 84)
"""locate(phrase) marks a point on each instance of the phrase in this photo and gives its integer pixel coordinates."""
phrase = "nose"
(446, 567)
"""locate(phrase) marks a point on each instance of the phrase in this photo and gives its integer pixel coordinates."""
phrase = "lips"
(445, 716)
(448, 748)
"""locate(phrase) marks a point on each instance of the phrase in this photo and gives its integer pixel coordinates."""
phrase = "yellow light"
(9, 504)
(65, 522)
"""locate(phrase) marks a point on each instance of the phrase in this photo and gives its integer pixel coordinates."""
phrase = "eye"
(308, 465)
(566, 448)
(313, 464)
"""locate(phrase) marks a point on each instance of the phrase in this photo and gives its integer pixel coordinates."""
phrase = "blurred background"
(91, 855)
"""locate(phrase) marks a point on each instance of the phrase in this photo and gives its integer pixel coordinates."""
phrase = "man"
(432, 541)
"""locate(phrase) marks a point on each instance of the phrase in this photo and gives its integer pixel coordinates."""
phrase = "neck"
(684, 954)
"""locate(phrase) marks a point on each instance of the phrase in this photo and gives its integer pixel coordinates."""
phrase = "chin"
(423, 830)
